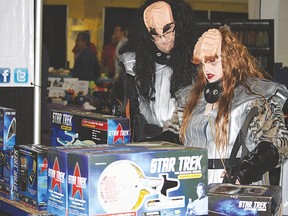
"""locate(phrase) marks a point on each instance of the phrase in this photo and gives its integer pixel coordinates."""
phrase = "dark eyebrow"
(153, 31)
(167, 27)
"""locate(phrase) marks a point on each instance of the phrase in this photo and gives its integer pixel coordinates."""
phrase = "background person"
(86, 66)
(120, 34)
(107, 57)
(77, 49)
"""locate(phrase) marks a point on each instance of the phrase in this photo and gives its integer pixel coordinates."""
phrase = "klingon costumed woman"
(230, 97)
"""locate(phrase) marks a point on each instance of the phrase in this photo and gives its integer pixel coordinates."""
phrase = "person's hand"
(223, 174)
(229, 179)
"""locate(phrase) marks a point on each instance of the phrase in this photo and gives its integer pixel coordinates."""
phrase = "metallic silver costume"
(259, 129)
(267, 125)
(158, 111)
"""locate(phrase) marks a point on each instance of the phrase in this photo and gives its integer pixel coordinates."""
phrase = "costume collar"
(213, 91)
(161, 57)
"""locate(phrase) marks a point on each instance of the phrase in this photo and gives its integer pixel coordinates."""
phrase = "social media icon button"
(5, 75)
(21, 75)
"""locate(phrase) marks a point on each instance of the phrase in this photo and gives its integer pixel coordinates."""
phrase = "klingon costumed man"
(157, 65)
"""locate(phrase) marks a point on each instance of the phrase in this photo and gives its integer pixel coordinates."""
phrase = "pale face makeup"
(160, 24)
(213, 70)
(208, 51)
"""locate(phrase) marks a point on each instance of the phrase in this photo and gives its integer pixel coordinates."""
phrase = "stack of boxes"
(57, 192)
(24, 168)
(81, 175)
(124, 179)
(7, 142)
(134, 181)
(71, 129)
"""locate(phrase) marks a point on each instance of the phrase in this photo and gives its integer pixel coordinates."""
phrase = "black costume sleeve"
(171, 128)
(124, 90)
(262, 159)
(269, 131)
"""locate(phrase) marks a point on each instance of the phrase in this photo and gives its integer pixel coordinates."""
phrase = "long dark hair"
(144, 47)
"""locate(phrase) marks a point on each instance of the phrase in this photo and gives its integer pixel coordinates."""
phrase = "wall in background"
(88, 15)
(276, 10)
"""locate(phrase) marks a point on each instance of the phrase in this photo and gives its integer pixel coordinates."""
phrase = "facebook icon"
(5, 75)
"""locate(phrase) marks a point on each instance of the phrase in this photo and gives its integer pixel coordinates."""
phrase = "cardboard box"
(7, 128)
(6, 174)
(30, 176)
(229, 199)
(57, 170)
(76, 127)
(57, 191)
(135, 181)
(57, 177)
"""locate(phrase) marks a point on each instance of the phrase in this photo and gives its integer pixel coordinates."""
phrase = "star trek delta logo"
(118, 134)
(56, 176)
(78, 182)
(44, 165)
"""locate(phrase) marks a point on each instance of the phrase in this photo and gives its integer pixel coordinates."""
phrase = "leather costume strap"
(240, 140)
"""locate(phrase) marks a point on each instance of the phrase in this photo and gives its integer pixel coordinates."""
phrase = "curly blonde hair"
(238, 65)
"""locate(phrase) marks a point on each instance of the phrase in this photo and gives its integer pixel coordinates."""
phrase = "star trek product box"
(57, 172)
(229, 199)
(6, 174)
(7, 128)
(30, 175)
(76, 127)
(157, 181)
(57, 176)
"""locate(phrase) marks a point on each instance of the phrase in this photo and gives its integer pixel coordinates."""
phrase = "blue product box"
(230, 199)
(57, 177)
(6, 174)
(143, 181)
(7, 128)
(75, 127)
(30, 176)
(57, 170)
(57, 173)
